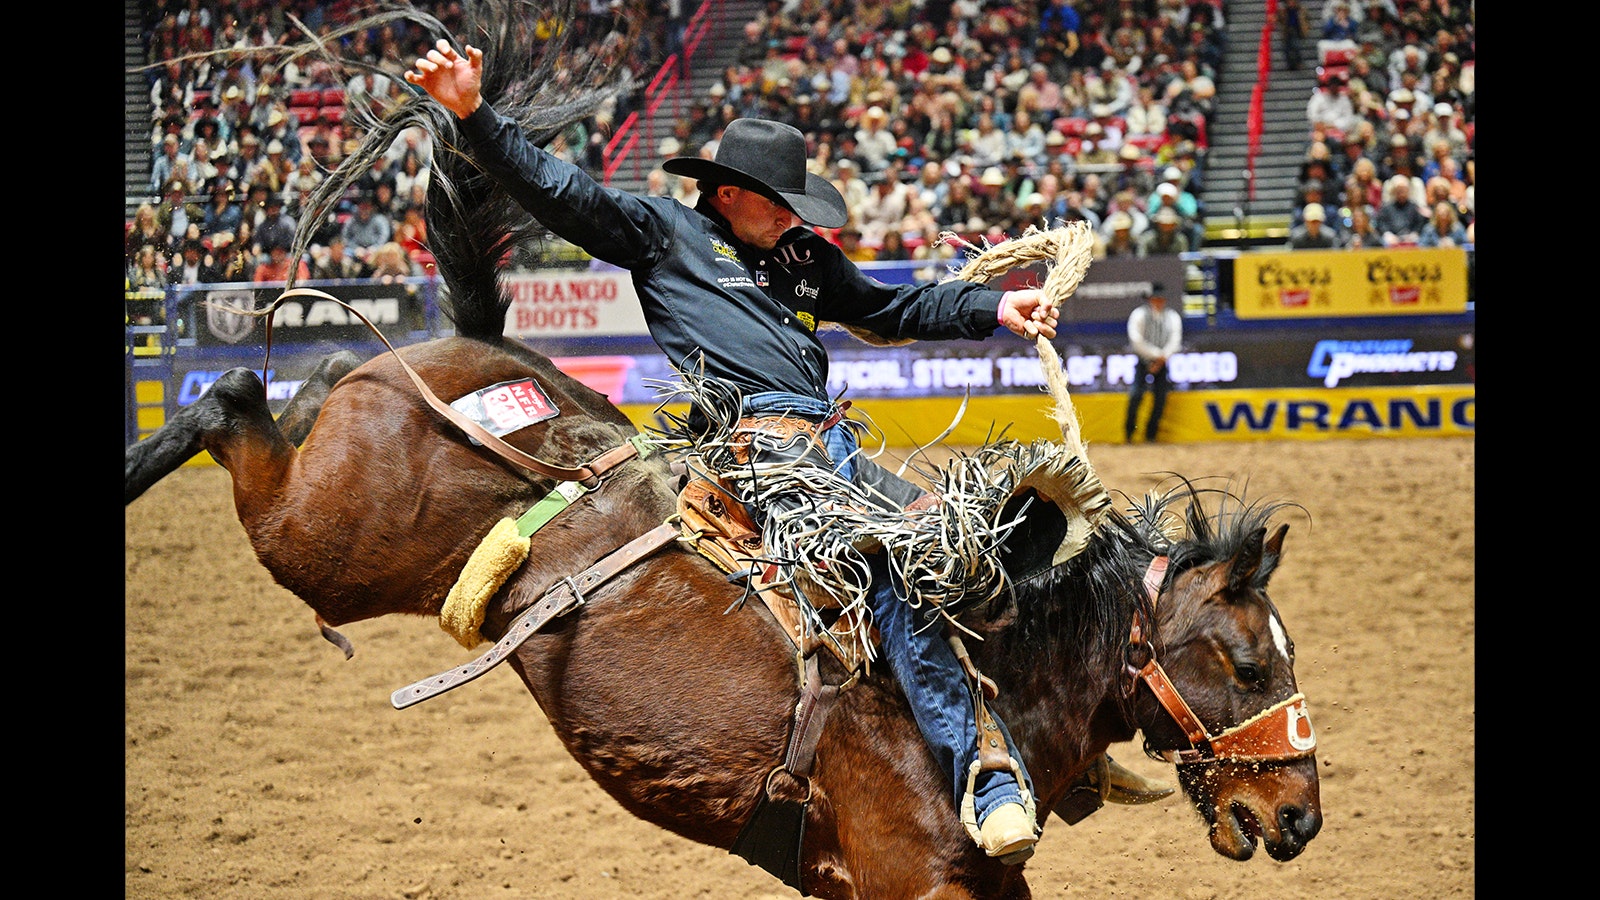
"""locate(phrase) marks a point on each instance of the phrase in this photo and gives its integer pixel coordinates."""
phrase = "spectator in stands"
(854, 248)
(334, 263)
(389, 262)
(894, 247)
(1092, 151)
(1399, 220)
(242, 165)
(411, 232)
(368, 229)
(1445, 228)
(1360, 233)
(146, 229)
(960, 212)
(1361, 71)
(224, 259)
(1400, 160)
(1059, 24)
(1313, 190)
(283, 128)
(874, 142)
(174, 214)
(1166, 237)
(1330, 104)
(1025, 139)
(1156, 333)
(1040, 96)
(1294, 29)
(988, 143)
(1321, 165)
(883, 209)
(202, 168)
(1120, 240)
(146, 272)
(1445, 125)
(1110, 90)
(192, 266)
(169, 164)
(1146, 116)
(1339, 31)
(276, 225)
(1364, 175)
(851, 186)
(411, 170)
(1313, 233)
(277, 266)
(930, 185)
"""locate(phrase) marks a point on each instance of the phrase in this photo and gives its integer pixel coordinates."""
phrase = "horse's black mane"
(544, 85)
(1090, 599)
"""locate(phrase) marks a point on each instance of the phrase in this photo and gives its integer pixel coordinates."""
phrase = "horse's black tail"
(544, 83)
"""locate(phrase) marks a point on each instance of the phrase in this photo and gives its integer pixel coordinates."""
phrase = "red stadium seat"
(334, 114)
(1338, 56)
(305, 115)
(305, 98)
(1071, 127)
(333, 97)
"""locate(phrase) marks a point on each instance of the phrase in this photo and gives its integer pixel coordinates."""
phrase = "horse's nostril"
(1294, 820)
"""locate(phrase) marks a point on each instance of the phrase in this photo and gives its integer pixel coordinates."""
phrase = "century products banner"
(229, 316)
(1307, 284)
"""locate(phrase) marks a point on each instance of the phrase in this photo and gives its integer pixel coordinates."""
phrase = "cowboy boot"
(1105, 780)
(1120, 785)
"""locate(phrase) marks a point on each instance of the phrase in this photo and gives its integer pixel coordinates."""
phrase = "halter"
(1278, 734)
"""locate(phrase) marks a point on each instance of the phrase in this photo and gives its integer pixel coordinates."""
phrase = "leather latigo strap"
(562, 597)
(588, 475)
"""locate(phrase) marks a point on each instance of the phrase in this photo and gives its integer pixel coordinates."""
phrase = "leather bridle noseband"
(1280, 733)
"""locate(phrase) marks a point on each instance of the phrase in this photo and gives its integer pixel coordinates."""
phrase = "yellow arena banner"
(1302, 414)
(1307, 284)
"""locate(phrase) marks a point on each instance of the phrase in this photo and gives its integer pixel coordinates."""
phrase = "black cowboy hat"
(769, 158)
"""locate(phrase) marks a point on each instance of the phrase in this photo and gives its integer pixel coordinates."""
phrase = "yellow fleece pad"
(500, 553)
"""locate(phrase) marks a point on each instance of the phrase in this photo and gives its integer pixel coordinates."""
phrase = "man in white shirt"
(1156, 333)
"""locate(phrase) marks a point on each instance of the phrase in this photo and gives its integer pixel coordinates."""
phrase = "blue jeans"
(915, 649)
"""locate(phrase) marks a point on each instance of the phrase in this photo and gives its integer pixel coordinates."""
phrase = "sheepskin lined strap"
(562, 597)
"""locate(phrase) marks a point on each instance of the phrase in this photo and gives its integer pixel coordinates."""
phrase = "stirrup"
(1125, 786)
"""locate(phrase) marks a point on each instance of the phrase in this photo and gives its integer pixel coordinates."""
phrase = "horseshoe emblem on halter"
(1298, 725)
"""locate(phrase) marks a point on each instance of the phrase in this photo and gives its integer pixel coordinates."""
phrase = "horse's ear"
(1257, 559)
(1242, 570)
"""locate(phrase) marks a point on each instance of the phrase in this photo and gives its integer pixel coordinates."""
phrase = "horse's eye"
(1249, 673)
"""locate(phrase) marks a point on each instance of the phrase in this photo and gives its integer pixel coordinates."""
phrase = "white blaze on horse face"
(1280, 638)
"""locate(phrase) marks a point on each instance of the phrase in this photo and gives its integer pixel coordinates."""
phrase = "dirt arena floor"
(261, 765)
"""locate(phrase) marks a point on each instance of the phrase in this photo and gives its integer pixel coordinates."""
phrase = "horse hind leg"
(233, 422)
(297, 418)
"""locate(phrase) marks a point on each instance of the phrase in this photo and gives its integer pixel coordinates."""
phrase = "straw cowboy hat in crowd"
(769, 158)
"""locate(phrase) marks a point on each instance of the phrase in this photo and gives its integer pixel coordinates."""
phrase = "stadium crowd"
(1389, 155)
(974, 117)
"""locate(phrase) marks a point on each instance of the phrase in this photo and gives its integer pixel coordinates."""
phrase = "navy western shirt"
(753, 313)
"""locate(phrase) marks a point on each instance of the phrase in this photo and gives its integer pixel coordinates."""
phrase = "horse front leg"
(232, 420)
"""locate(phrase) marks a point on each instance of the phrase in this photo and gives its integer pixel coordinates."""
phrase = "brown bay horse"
(363, 501)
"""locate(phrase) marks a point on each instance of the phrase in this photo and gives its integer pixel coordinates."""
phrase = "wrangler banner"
(1309, 284)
